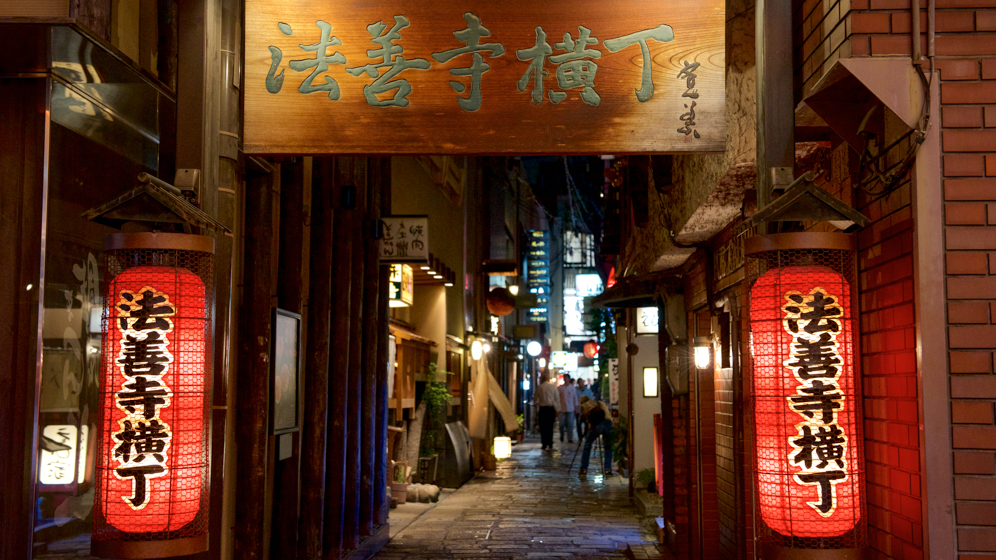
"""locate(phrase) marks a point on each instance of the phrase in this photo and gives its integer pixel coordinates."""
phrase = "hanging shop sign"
(152, 463)
(401, 289)
(404, 239)
(614, 382)
(806, 409)
(62, 457)
(648, 320)
(517, 77)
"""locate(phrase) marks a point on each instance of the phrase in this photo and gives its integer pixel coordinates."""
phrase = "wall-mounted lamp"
(476, 350)
(542, 363)
(650, 382)
(702, 351)
(534, 348)
(514, 289)
(486, 347)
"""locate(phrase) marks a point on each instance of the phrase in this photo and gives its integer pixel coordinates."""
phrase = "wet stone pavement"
(529, 508)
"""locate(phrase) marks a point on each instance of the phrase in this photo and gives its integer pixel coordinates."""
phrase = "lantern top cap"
(152, 200)
(805, 200)
(800, 240)
(159, 240)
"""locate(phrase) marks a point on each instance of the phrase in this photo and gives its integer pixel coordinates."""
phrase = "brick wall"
(968, 136)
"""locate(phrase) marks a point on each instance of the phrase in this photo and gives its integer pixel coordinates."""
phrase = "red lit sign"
(152, 449)
(806, 445)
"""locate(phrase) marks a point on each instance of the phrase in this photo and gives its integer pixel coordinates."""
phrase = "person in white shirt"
(548, 401)
(568, 404)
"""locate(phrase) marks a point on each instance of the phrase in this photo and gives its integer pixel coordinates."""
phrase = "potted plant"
(399, 486)
(436, 397)
(520, 434)
(620, 445)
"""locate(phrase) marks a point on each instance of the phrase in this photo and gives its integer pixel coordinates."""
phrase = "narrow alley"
(530, 507)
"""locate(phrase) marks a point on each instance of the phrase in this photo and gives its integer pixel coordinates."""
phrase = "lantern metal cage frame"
(810, 251)
(181, 518)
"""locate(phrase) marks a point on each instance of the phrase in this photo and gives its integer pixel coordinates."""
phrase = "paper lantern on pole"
(590, 350)
(151, 470)
(500, 301)
(809, 467)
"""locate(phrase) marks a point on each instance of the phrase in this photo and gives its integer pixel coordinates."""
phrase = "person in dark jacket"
(598, 420)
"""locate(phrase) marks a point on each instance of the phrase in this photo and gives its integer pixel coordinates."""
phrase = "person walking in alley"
(548, 401)
(568, 404)
(598, 419)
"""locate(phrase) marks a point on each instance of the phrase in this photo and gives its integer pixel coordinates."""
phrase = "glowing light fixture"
(805, 397)
(152, 464)
(503, 447)
(542, 363)
(702, 352)
(650, 382)
(486, 347)
(476, 349)
(514, 289)
(534, 348)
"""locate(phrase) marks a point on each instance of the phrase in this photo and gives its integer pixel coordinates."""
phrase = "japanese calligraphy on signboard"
(455, 77)
(405, 239)
(804, 395)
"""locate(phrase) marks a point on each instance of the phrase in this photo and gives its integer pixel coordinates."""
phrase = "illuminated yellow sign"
(402, 285)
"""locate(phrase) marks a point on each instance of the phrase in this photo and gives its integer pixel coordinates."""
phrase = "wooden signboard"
(473, 77)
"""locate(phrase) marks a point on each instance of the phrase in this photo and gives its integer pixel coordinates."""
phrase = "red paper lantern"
(500, 301)
(806, 411)
(151, 468)
(590, 350)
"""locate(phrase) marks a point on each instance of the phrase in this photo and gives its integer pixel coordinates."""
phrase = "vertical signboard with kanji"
(404, 239)
(614, 382)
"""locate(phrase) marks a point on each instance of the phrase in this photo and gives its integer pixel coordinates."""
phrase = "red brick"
(985, 20)
(968, 140)
(970, 238)
(969, 189)
(966, 263)
(890, 44)
(990, 166)
(964, 165)
(990, 118)
(967, 312)
(869, 22)
(964, 69)
(951, 22)
(859, 44)
(991, 213)
(974, 539)
(970, 362)
(971, 412)
(974, 92)
(961, 214)
(989, 64)
(975, 488)
(972, 336)
(964, 44)
(961, 117)
(973, 386)
(976, 513)
(974, 462)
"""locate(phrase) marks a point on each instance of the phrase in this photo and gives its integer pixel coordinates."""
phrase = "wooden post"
(335, 449)
(371, 293)
(351, 507)
(253, 385)
(667, 419)
(316, 364)
(380, 175)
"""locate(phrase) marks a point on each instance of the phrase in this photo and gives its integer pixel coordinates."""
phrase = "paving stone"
(528, 508)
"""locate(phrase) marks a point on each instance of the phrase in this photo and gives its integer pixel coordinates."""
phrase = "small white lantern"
(503, 447)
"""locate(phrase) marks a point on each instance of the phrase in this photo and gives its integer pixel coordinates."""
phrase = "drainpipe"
(775, 104)
(915, 19)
